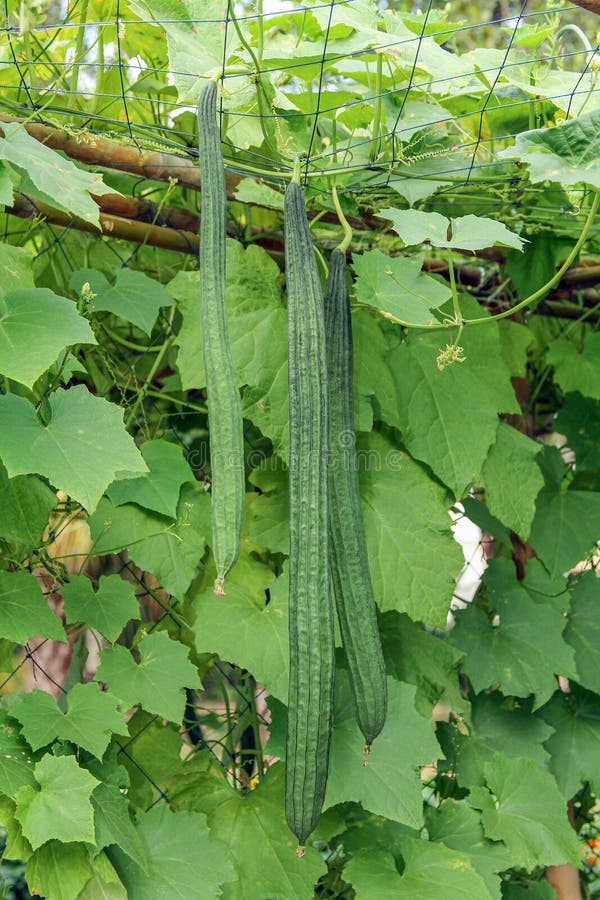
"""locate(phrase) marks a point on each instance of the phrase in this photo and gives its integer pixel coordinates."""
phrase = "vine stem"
(347, 239)
(455, 300)
(378, 103)
(78, 51)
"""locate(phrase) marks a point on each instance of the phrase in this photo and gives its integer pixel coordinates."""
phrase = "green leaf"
(35, 326)
(257, 331)
(16, 846)
(512, 480)
(567, 154)
(431, 870)
(80, 451)
(190, 24)
(566, 527)
(26, 503)
(59, 871)
(583, 630)
(16, 267)
(406, 512)
(579, 421)
(465, 233)
(59, 807)
(158, 490)
(258, 194)
(575, 371)
(105, 884)
(536, 265)
(575, 744)
(107, 610)
(257, 839)
(243, 628)
(134, 297)
(24, 610)
(526, 810)
(389, 784)
(531, 890)
(428, 406)
(90, 719)
(515, 339)
(497, 726)
(459, 827)
(16, 760)
(145, 683)
(523, 652)
(59, 180)
(416, 656)
(397, 287)
(170, 550)
(113, 825)
(183, 858)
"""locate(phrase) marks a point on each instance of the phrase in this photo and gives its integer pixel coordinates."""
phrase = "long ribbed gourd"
(223, 396)
(312, 665)
(353, 590)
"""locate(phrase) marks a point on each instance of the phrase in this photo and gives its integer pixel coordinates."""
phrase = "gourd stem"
(347, 239)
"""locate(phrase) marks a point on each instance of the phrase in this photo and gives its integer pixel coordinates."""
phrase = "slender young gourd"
(312, 665)
(223, 396)
(350, 574)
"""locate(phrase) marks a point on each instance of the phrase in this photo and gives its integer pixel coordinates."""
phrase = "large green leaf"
(577, 371)
(512, 479)
(58, 871)
(257, 330)
(90, 719)
(459, 827)
(575, 744)
(59, 805)
(565, 528)
(256, 836)
(171, 550)
(579, 420)
(583, 630)
(567, 154)
(104, 884)
(497, 726)
(24, 610)
(416, 656)
(245, 629)
(523, 652)
(26, 503)
(431, 870)
(16, 759)
(183, 858)
(397, 287)
(81, 450)
(16, 268)
(407, 525)
(429, 405)
(113, 824)
(134, 297)
(35, 326)
(464, 233)
(157, 490)
(389, 784)
(108, 610)
(57, 179)
(157, 682)
(190, 24)
(525, 809)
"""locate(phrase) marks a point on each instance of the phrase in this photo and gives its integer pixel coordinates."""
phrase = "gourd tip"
(219, 588)
(300, 851)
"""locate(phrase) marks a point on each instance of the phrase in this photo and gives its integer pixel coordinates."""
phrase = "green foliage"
(158, 770)
(81, 447)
